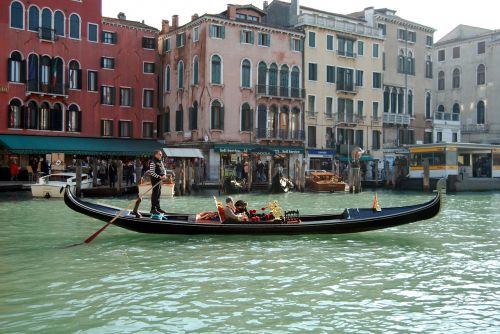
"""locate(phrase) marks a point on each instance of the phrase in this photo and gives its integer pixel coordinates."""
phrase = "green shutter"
(251, 37)
(222, 32)
(222, 118)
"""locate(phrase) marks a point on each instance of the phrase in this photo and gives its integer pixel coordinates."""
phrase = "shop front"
(320, 159)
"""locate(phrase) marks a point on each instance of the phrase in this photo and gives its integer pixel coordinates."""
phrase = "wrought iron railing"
(47, 34)
(279, 91)
(35, 86)
(280, 134)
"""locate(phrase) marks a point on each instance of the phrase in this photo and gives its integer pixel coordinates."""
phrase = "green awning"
(256, 149)
(365, 157)
(22, 144)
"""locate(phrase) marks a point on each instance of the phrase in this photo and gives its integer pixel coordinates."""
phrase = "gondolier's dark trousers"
(155, 195)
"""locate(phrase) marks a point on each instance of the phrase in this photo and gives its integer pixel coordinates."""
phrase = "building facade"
(72, 72)
(230, 79)
(466, 85)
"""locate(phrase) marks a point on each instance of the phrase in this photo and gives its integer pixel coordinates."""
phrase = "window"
(33, 18)
(193, 116)
(217, 116)
(196, 69)
(16, 65)
(329, 42)
(92, 32)
(481, 47)
(147, 130)
(311, 102)
(264, 39)
(429, 40)
(196, 34)
(46, 32)
(245, 73)
(441, 80)
(401, 62)
(273, 80)
(166, 85)
(375, 111)
(481, 75)
(217, 31)
(329, 107)
(313, 71)
(180, 75)
(383, 28)
(377, 80)
(125, 128)
(15, 115)
(107, 62)
(284, 81)
(92, 83)
(345, 79)
(74, 26)
(428, 68)
(149, 67)
(311, 39)
(180, 40)
(246, 36)
(376, 142)
(456, 52)
(125, 97)
(428, 106)
(179, 119)
(454, 137)
(410, 64)
(361, 48)
(44, 116)
(412, 36)
(375, 50)
(359, 78)
(109, 37)
(149, 43)
(106, 128)
(410, 103)
(330, 74)
(439, 136)
(441, 55)
(456, 78)
(295, 82)
(480, 113)
(361, 106)
(261, 78)
(345, 47)
(311, 136)
(147, 98)
(107, 95)
(246, 117)
(74, 75)
(56, 118)
(167, 46)
(59, 23)
(73, 119)
(297, 44)
(216, 73)
(16, 15)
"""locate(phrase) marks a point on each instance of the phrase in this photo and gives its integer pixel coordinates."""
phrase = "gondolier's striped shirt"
(156, 168)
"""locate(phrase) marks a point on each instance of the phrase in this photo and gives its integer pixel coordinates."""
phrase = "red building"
(72, 72)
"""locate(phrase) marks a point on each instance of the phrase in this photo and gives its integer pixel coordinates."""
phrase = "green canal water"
(436, 276)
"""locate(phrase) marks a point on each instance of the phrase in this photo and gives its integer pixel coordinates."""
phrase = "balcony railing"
(348, 87)
(345, 53)
(402, 119)
(37, 87)
(339, 24)
(282, 92)
(280, 134)
(47, 34)
(346, 117)
(446, 116)
(475, 128)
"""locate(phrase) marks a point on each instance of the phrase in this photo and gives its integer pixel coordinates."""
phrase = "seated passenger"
(229, 212)
(241, 208)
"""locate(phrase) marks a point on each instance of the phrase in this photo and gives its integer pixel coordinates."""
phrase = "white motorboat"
(50, 185)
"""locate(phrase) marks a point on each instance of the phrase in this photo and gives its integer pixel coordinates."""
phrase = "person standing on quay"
(158, 174)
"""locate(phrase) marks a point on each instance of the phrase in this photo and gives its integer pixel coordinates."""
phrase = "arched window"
(46, 19)
(262, 78)
(74, 75)
(180, 75)
(456, 78)
(196, 69)
(272, 121)
(440, 108)
(179, 118)
(261, 121)
(16, 68)
(59, 23)
(246, 117)
(34, 18)
(16, 15)
(216, 72)
(428, 106)
(400, 101)
(56, 76)
(44, 116)
(410, 103)
(295, 123)
(31, 120)
(273, 79)
(284, 83)
(284, 122)
(217, 116)
(73, 119)
(56, 118)
(410, 64)
(428, 67)
(33, 73)
(441, 80)
(387, 100)
(480, 113)
(295, 92)
(74, 26)
(456, 112)
(246, 69)
(15, 114)
(394, 100)
(481, 75)
(401, 62)
(193, 116)
(166, 85)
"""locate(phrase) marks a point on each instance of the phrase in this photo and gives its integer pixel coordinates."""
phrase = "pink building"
(232, 84)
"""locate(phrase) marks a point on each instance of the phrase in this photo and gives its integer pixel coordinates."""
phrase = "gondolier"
(157, 171)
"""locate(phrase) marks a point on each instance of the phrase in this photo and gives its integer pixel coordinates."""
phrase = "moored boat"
(323, 181)
(50, 185)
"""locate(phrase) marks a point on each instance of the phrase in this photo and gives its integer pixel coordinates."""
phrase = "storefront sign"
(328, 153)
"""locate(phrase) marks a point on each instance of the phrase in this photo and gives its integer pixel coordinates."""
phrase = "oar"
(135, 203)
(217, 208)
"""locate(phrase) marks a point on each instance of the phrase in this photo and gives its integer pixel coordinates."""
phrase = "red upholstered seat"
(220, 209)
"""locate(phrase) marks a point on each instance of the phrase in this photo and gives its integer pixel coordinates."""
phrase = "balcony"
(399, 119)
(339, 24)
(346, 119)
(346, 87)
(280, 134)
(446, 118)
(347, 54)
(475, 128)
(36, 87)
(47, 34)
(280, 92)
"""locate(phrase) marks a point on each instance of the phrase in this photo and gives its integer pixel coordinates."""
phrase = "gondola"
(349, 221)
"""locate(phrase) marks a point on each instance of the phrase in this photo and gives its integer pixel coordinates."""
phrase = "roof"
(249, 6)
(128, 23)
(24, 144)
(463, 32)
(183, 152)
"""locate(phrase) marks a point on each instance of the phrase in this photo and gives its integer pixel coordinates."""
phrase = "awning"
(183, 152)
(365, 157)
(256, 149)
(23, 144)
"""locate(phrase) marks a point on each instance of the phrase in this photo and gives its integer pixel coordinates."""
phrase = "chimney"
(165, 26)
(231, 12)
(175, 21)
(194, 17)
(294, 12)
(121, 16)
(369, 16)
(264, 6)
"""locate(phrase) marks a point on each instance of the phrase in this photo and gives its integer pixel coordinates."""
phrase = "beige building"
(407, 79)
(342, 77)
(466, 84)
